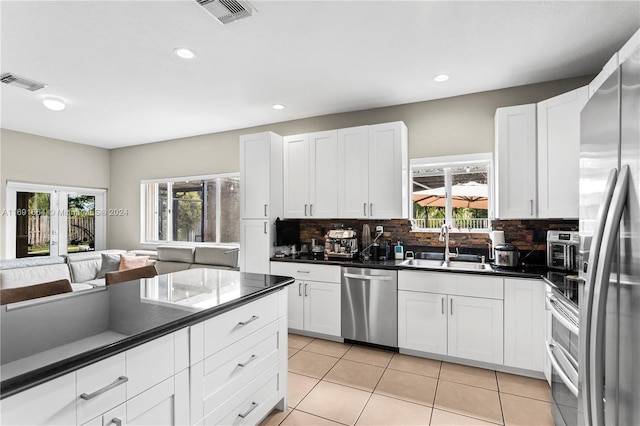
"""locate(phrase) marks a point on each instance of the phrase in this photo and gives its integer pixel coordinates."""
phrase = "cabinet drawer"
(228, 371)
(249, 405)
(104, 384)
(52, 402)
(149, 364)
(307, 271)
(473, 285)
(232, 326)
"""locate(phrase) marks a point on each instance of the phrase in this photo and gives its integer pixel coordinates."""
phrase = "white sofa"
(179, 258)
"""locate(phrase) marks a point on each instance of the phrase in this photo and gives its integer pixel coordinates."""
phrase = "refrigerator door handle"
(600, 290)
(587, 308)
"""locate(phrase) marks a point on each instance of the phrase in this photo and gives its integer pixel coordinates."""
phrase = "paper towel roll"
(497, 237)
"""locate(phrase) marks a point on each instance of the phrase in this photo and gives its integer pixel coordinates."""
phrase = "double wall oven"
(563, 301)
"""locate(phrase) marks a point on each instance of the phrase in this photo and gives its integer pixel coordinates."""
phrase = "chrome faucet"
(444, 236)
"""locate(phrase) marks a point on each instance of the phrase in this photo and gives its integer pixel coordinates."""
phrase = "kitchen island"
(166, 349)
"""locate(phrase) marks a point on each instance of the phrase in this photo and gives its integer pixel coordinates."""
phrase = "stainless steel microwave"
(562, 250)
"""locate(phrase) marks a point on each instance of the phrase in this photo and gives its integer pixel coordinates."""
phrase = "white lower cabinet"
(55, 402)
(422, 321)
(166, 403)
(460, 325)
(524, 326)
(314, 298)
(242, 374)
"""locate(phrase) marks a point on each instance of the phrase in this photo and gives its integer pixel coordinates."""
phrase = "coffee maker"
(341, 244)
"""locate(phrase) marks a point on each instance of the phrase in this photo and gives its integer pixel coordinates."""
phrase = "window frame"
(59, 207)
(169, 181)
(449, 162)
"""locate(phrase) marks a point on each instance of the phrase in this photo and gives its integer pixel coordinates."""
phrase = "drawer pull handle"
(88, 396)
(116, 421)
(252, 319)
(303, 272)
(247, 362)
(246, 413)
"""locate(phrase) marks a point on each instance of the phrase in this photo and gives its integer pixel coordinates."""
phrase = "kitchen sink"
(451, 265)
(467, 266)
(422, 263)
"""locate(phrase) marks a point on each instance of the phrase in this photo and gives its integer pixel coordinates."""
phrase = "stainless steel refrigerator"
(609, 363)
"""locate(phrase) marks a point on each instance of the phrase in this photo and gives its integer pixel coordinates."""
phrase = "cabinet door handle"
(371, 209)
(116, 421)
(265, 227)
(310, 209)
(265, 210)
(250, 320)
(118, 382)
(305, 209)
(451, 306)
(365, 209)
(306, 293)
(300, 289)
(442, 300)
(247, 362)
(246, 413)
(531, 207)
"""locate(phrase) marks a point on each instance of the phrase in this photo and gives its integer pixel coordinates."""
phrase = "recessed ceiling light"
(184, 53)
(441, 77)
(54, 104)
(278, 106)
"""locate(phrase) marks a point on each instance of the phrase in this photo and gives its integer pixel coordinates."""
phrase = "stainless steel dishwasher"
(370, 306)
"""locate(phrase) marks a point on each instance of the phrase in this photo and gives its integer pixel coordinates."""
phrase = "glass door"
(44, 220)
(36, 224)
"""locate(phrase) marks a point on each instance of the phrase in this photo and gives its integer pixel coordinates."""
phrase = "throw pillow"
(110, 263)
(132, 262)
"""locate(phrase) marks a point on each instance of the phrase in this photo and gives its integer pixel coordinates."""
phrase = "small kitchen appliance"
(562, 250)
(507, 255)
(342, 244)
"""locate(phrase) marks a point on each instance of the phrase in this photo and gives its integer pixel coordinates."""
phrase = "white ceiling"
(112, 61)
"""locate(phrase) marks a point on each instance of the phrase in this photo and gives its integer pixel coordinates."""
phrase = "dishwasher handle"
(368, 277)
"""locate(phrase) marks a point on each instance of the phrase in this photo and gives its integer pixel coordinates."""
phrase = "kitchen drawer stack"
(239, 363)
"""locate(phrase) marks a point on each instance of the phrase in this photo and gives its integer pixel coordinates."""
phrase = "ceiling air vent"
(227, 11)
(24, 83)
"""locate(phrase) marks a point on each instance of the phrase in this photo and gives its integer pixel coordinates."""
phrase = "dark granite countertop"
(524, 271)
(49, 337)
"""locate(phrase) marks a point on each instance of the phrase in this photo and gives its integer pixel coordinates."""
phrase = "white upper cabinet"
(260, 176)
(558, 154)
(373, 175)
(515, 156)
(353, 172)
(388, 171)
(310, 178)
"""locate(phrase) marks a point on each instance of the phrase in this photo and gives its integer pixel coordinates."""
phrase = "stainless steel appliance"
(341, 244)
(370, 306)
(563, 349)
(562, 250)
(507, 255)
(610, 250)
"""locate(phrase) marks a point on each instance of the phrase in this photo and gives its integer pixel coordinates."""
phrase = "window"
(194, 209)
(455, 191)
(45, 220)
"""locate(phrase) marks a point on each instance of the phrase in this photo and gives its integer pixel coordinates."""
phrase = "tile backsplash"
(528, 235)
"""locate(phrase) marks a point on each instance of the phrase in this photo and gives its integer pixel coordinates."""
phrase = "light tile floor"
(341, 384)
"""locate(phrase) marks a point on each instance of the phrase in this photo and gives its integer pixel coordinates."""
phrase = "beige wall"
(457, 125)
(36, 159)
(462, 124)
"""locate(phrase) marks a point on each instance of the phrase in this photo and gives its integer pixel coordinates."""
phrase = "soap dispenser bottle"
(399, 251)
